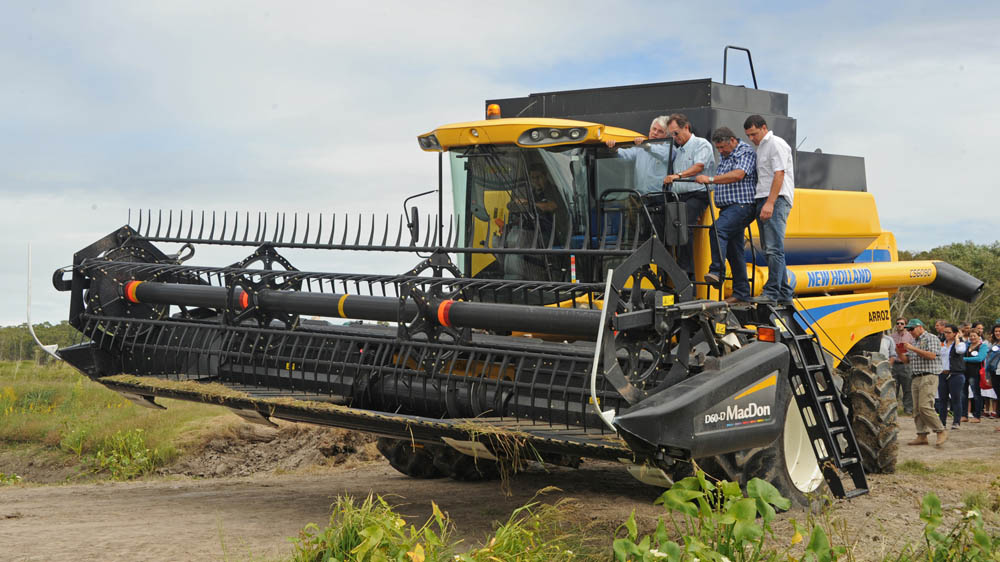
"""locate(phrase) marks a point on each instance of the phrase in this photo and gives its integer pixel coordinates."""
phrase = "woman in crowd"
(974, 356)
(992, 361)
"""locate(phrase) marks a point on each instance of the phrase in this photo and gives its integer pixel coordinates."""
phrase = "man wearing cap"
(925, 364)
(900, 364)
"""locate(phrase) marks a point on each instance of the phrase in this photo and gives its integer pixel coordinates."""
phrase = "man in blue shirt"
(736, 184)
(692, 156)
(652, 160)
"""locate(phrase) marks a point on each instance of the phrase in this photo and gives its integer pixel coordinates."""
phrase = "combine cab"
(548, 321)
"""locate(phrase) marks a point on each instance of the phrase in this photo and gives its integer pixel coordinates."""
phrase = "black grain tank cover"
(707, 104)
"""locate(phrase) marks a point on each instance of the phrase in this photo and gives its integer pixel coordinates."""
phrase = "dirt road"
(238, 518)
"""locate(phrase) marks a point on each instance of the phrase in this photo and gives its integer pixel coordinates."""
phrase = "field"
(88, 475)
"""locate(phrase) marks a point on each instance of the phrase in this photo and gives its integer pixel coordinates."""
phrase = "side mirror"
(414, 226)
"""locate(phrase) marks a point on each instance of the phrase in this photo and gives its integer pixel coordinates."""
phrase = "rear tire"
(412, 459)
(871, 395)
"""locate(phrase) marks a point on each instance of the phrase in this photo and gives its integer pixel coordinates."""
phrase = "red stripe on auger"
(443, 309)
(130, 291)
(245, 300)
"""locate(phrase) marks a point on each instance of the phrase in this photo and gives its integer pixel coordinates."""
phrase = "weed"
(967, 540)
(126, 456)
(373, 531)
(9, 479)
(914, 467)
(535, 532)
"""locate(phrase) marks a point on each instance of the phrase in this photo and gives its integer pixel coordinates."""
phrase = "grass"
(372, 529)
(58, 409)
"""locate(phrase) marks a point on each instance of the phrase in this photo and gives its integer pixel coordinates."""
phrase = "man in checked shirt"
(734, 196)
(924, 354)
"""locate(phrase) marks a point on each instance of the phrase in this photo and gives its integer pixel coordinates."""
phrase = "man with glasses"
(736, 184)
(900, 365)
(693, 156)
(925, 365)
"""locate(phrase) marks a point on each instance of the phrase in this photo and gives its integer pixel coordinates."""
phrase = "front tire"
(872, 403)
(412, 459)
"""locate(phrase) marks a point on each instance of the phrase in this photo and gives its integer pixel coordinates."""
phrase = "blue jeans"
(772, 238)
(950, 392)
(977, 396)
(733, 220)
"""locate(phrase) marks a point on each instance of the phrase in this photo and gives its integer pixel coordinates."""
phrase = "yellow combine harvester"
(544, 322)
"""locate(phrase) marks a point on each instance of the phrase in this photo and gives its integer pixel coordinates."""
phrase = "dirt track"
(237, 518)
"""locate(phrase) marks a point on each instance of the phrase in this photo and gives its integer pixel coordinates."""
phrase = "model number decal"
(735, 413)
(878, 316)
(921, 272)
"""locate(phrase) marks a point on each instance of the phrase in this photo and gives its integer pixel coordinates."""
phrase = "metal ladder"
(819, 402)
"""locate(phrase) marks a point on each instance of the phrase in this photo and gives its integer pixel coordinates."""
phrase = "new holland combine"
(548, 321)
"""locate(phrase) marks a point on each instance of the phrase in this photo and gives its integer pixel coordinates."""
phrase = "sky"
(315, 106)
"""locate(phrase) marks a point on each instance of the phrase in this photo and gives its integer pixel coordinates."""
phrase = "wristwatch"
(711, 179)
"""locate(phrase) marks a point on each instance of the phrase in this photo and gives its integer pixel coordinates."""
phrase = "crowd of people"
(950, 372)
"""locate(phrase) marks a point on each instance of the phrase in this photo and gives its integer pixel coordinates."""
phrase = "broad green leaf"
(762, 489)
(731, 489)
(744, 510)
(633, 531)
(677, 500)
(930, 510)
(819, 545)
(661, 533)
(746, 531)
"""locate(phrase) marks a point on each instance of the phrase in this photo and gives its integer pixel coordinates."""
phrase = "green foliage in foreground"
(708, 521)
(373, 531)
(58, 409)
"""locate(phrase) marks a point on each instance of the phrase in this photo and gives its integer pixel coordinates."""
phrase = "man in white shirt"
(775, 191)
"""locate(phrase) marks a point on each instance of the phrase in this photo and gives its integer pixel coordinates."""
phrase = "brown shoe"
(734, 300)
(922, 440)
(942, 436)
(975, 420)
(964, 419)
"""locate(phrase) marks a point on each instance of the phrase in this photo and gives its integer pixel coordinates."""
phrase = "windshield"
(513, 197)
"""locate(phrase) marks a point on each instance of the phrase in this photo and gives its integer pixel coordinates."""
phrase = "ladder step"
(855, 493)
(848, 461)
(838, 430)
(824, 398)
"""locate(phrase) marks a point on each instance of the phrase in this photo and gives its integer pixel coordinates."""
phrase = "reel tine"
(138, 227)
(333, 228)
(357, 236)
(399, 231)
(257, 237)
(427, 238)
(211, 233)
(319, 229)
(236, 226)
(295, 228)
(225, 221)
(201, 227)
(281, 238)
(385, 233)
(180, 222)
(371, 232)
(347, 218)
(190, 223)
(159, 221)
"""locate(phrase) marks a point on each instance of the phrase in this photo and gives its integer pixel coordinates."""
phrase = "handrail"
(725, 63)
